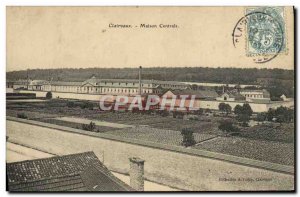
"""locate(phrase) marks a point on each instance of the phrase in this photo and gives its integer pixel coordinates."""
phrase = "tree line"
(190, 74)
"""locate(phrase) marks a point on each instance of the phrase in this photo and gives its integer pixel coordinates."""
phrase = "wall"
(256, 107)
(162, 166)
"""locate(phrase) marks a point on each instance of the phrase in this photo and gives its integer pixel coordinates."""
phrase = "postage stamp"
(262, 29)
(265, 31)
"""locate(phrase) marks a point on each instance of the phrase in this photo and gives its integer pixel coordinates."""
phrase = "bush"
(198, 112)
(89, 127)
(284, 114)
(243, 118)
(49, 95)
(238, 109)
(245, 109)
(70, 104)
(270, 114)
(87, 105)
(164, 113)
(261, 117)
(187, 137)
(207, 110)
(227, 126)
(245, 124)
(178, 114)
(281, 114)
(225, 108)
(22, 115)
(193, 118)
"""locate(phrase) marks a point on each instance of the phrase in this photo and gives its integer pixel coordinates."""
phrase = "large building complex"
(93, 89)
(101, 86)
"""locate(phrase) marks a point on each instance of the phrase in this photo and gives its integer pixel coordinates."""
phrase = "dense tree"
(281, 114)
(49, 95)
(261, 117)
(243, 113)
(270, 114)
(284, 114)
(247, 109)
(222, 107)
(244, 119)
(226, 108)
(187, 137)
(238, 109)
(227, 126)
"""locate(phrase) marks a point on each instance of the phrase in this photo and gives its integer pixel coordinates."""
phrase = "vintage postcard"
(131, 99)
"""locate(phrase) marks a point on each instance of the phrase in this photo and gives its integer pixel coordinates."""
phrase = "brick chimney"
(140, 80)
(136, 173)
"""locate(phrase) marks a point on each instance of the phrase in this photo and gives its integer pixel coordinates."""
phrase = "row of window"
(99, 90)
(133, 84)
(173, 86)
(254, 95)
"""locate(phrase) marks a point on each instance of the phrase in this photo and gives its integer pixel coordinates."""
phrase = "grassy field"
(162, 136)
(99, 129)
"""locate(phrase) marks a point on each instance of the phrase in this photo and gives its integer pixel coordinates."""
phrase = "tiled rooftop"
(76, 172)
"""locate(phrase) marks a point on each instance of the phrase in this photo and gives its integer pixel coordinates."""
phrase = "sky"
(80, 37)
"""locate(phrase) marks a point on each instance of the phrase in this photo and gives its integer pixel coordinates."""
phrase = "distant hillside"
(198, 74)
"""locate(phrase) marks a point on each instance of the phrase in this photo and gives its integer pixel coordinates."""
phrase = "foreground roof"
(76, 172)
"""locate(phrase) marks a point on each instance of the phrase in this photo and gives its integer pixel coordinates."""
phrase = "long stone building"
(101, 86)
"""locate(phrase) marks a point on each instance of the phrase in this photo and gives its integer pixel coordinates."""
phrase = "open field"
(157, 135)
(271, 142)
(275, 152)
(76, 125)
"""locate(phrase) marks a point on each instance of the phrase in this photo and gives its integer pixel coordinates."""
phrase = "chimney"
(136, 173)
(27, 80)
(140, 80)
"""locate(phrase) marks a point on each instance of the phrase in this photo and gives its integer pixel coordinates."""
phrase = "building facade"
(255, 95)
(130, 87)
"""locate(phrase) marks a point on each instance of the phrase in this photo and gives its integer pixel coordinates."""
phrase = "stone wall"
(170, 167)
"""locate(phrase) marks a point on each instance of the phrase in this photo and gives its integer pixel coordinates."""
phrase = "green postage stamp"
(265, 31)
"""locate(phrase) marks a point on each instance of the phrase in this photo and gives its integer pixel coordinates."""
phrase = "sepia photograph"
(150, 99)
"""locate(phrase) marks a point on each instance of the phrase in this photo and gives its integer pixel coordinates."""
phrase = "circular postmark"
(263, 33)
